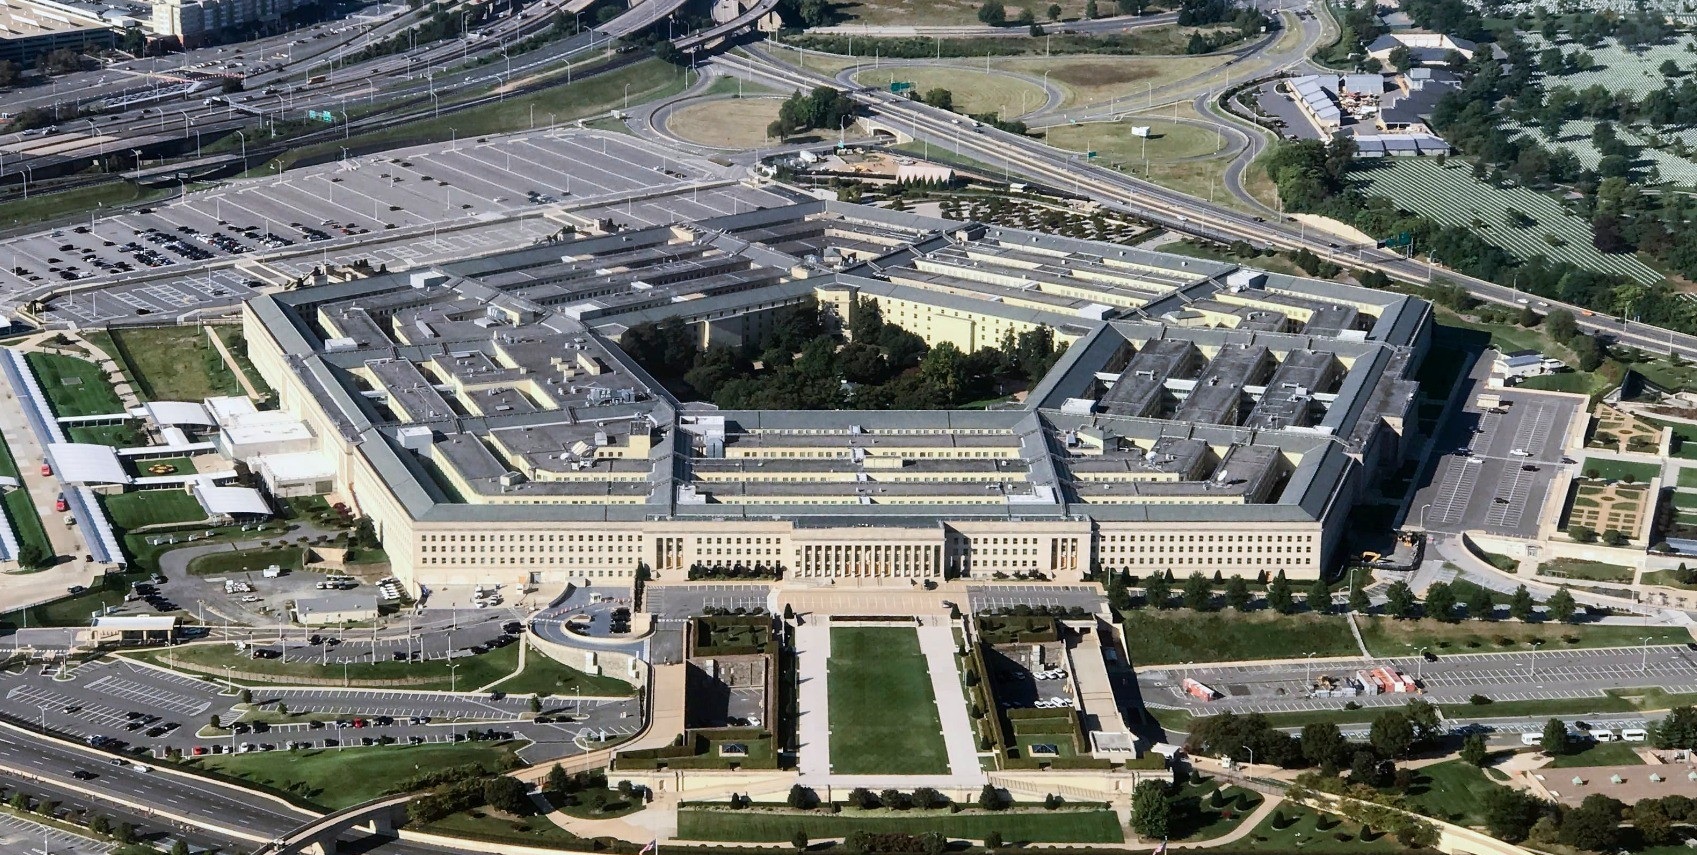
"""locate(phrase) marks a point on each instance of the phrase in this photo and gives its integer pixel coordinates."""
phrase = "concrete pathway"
(937, 642)
(813, 725)
(230, 362)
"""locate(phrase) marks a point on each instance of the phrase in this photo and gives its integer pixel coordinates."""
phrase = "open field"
(932, 12)
(174, 363)
(74, 387)
(152, 507)
(1091, 80)
(1619, 470)
(1166, 637)
(726, 122)
(290, 558)
(474, 671)
(1292, 828)
(1590, 571)
(544, 676)
(883, 713)
(1599, 754)
(42, 207)
(974, 90)
(1450, 195)
(1392, 637)
(338, 779)
(780, 824)
(1113, 141)
(482, 824)
(1453, 791)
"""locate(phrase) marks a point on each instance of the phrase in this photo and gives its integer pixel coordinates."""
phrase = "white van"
(1532, 739)
(1602, 735)
(1634, 734)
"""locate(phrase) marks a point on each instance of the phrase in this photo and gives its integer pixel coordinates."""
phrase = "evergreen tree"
(1520, 604)
(1279, 594)
(1319, 597)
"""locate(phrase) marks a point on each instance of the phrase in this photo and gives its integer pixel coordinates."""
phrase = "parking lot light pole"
(1644, 661)
(1308, 668)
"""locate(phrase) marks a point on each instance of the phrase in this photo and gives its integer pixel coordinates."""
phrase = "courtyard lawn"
(1619, 470)
(1665, 578)
(20, 509)
(152, 507)
(1589, 571)
(1015, 826)
(1452, 791)
(1391, 637)
(1292, 828)
(482, 824)
(473, 671)
(174, 363)
(334, 779)
(1599, 754)
(1181, 635)
(544, 676)
(118, 436)
(74, 387)
(883, 713)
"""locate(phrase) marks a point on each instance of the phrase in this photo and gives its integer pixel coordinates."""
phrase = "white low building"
(245, 431)
(334, 609)
(295, 474)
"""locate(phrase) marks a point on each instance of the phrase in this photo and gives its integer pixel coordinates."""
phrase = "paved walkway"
(813, 725)
(230, 361)
(937, 642)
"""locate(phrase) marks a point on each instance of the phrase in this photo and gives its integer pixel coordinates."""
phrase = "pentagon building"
(1203, 417)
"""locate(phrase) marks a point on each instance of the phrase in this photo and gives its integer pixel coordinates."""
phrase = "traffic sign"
(900, 86)
(1402, 239)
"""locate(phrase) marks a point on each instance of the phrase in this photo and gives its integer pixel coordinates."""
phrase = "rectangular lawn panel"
(1062, 826)
(883, 713)
(1165, 637)
(74, 387)
(1618, 470)
(337, 779)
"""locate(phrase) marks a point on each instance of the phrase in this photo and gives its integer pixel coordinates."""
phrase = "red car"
(60, 504)
(46, 470)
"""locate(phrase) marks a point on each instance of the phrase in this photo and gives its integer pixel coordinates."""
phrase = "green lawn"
(174, 363)
(780, 824)
(474, 671)
(237, 345)
(1619, 470)
(1452, 791)
(75, 387)
(152, 507)
(335, 779)
(44, 207)
(26, 523)
(1664, 577)
(123, 435)
(1644, 699)
(1211, 811)
(481, 824)
(544, 676)
(1591, 571)
(290, 558)
(883, 713)
(1599, 754)
(1688, 474)
(1165, 637)
(1391, 637)
(1291, 828)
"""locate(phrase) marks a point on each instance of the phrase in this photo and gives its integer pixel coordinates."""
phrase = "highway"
(1175, 211)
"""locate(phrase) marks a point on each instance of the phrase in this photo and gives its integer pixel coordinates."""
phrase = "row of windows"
(546, 549)
(530, 538)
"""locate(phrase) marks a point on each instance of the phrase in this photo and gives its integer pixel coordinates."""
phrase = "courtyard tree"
(1391, 734)
(1441, 602)
(1473, 750)
(1510, 813)
(1319, 597)
(1198, 594)
(1322, 745)
(1400, 600)
(1158, 589)
(1480, 606)
(989, 798)
(1562, 606)
(1520, 604)
(1555, 741)
(1237, 593)
(1358, 599)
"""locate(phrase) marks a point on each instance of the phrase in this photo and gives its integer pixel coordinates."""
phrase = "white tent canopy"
(175, 413)
(230, 501)
(86, 463)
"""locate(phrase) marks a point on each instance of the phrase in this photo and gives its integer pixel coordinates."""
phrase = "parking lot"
(438, 203)
(1450, 679)
(1493, 470)
(987, 597)
(22, 836)
(1021, 681)
(148, 711)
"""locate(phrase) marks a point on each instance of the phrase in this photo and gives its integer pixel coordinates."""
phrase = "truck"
(1198, 690)
(271, 572)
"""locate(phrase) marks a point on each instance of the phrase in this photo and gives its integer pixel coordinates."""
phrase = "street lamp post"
(1644, 661)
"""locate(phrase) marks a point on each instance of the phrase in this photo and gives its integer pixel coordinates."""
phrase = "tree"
(1651, 819)
(1198, 594)
(1157, 589)
(1480, 606)
(799, 840)
(536, 703)
(1026, 18)
(1364, 768)
(509, 795)
(865, 799)
(1510, 813)
(802, 798)
(1428, 725)
(993, 840)
(1400, 600)
(1319, 597)
(9, 72)
(1555, 741)
(1322, 745)
(989, 798)
(1594, 825)
(99, 824)
(246, 697)
(1520, 604)
(992, 12)
(1054, 11)
(558, 783)
(1090, 10)
(1560, 324)
(929, 798)
(1237, 593)
(1441, 602)
(215, 722)
(1391, 734)
(126, 833)
(1677, 730)
(181, 847)
(1358, 600)
(1561, 605)
(940, 98)
(1151, 810)
(31, 555)
(1401, 58)
(1473, 750)
(1582, 533)
(1279, 594)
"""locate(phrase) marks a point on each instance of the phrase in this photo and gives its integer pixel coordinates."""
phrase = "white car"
(1520, 452)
